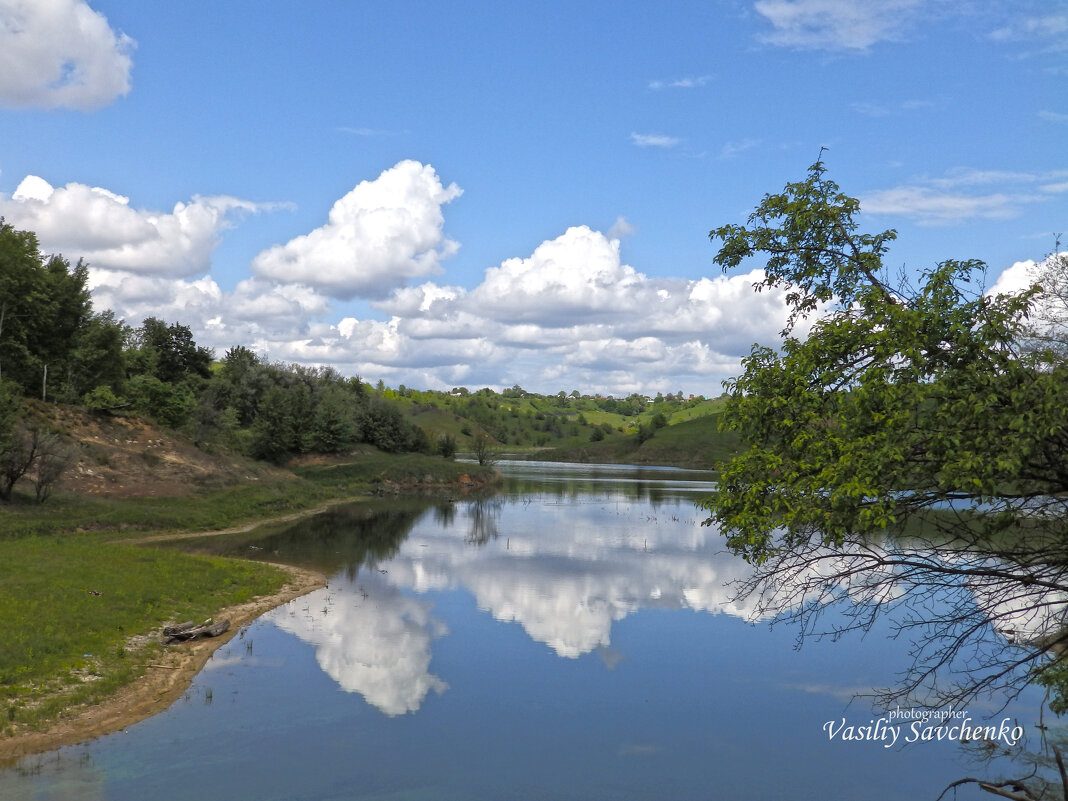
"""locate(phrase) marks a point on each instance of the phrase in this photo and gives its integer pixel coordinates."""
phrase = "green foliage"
(1054, 677)
(520, 420)
(96, 358)
(168, 352)
(44, 305)
(908, 442)
(692, 443)
(892, 389)
(447, 446)
(169, 404)
(274, 432)
(369, 468)
(103, 400)
(383, 425)
(807, 233)
(11, 406)
(333, 422)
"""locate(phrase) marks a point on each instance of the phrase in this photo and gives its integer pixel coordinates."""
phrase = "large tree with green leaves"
(44, 304)
(905, 453)
(168, 352)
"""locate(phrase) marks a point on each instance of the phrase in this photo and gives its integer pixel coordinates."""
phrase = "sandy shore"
(164, 681)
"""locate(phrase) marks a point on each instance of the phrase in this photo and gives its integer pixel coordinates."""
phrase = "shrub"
(103, 400)
(447, 446)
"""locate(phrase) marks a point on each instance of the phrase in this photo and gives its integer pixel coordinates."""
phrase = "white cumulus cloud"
(572, 313)
(100, 226)
(572, 582)
(579, 271)
(60, 54)
(1016, 278)
(264, 316)
(378, 236)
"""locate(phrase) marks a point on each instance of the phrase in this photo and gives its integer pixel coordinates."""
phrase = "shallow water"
(574, 637)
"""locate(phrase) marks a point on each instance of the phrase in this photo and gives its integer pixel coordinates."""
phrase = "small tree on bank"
(484, 452)
(53, 459)
(447, 446)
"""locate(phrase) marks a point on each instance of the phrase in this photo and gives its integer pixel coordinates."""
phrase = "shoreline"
(171, 673)
(163, 683)
(240, 528)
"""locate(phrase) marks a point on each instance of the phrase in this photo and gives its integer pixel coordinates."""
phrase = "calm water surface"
(573, 637)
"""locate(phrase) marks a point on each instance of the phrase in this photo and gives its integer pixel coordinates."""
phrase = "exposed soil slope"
(127, 457)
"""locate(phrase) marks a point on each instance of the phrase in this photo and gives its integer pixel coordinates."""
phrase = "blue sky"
(484, 194)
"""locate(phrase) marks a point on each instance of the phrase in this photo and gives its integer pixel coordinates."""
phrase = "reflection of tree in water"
(655, 491)
(1023, 774)
(484, 514)
(342, 538)
(980, 625)
(445, 513)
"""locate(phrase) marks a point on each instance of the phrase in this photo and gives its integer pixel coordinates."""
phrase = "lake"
(573, 637)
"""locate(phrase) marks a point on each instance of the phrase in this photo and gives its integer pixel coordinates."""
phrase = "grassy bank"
(212, 509)
(692, 443)
(76, 602)
(70, 610)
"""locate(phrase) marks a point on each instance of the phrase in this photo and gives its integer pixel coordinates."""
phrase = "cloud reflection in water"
(565, 573)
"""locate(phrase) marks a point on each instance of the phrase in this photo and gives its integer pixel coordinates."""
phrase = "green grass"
(437, 422)
(64, 644)
(208, 510)
(526, 424)
(693, 443)
(708, 407)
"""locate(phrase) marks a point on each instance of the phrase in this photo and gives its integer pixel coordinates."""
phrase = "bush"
(103, 400)
(383, 426)
(168, 404)
(447, 446)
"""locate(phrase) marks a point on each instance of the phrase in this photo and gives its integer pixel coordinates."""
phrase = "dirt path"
(164, 681)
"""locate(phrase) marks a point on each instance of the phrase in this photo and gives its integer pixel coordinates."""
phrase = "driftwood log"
(190, 631)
